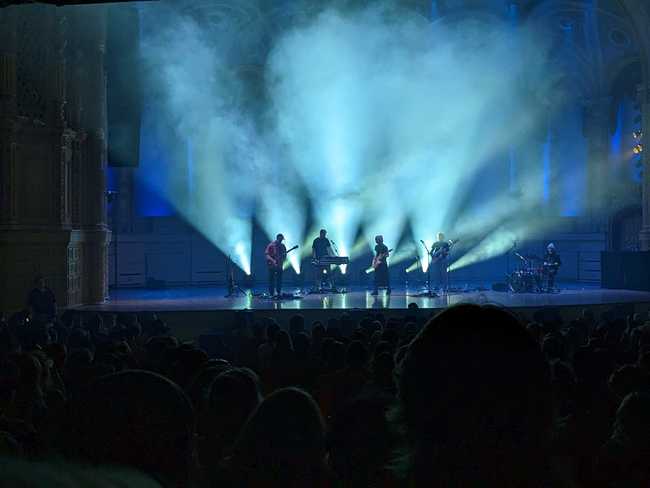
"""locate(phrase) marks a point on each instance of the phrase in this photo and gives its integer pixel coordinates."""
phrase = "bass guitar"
(442, 252)
(380, 258)
(273, 263)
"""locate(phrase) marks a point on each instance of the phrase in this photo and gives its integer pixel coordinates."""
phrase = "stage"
(191, 312)
(211, 299)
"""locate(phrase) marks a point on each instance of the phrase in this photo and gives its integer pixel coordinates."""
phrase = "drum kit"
(529, 277)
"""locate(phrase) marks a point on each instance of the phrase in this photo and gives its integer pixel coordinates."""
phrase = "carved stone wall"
(52, 153)
(644, 99)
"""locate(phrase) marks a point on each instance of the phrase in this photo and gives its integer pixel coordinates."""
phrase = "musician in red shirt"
(276, 253)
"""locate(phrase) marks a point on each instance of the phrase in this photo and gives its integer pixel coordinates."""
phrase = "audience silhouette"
(474, 396)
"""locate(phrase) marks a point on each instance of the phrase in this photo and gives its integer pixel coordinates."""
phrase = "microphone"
(421, 241)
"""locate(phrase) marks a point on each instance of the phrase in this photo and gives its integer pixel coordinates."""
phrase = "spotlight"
(243, 258)
(637, 134)
(638, 149)
(413, 267)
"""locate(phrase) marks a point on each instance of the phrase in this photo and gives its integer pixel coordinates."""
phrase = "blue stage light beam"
(503, 238)
(341, 218)
(283, 212)
(384, 216)
(221, 172)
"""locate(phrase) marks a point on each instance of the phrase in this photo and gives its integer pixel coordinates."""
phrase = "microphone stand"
(429, 293)
(333, 289)
(233, 288)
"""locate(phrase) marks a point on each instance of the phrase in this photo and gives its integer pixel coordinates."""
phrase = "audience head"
(272, 330)
(296, 325)
(552, 347)
(284, 439)
(382, 369)
(199, 390)
(151, 430)
(644, 361)
(233, 396)
(283, 342)
(17, 472)
(360, 441)
(474, 400)
(632, 423)
(628, 379)
(301, 345)
(356, 355)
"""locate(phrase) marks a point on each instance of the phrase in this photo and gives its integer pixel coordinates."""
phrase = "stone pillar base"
(94, 244)
(72, 261)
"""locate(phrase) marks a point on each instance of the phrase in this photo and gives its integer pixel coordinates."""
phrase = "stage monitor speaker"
(123, 85)
(625, 270)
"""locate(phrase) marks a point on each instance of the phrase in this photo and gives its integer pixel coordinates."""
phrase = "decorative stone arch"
(639, 17)
(618, 68)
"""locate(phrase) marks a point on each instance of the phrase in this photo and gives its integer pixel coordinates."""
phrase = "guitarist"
(381, 265)
(275, 253)
(439, 253)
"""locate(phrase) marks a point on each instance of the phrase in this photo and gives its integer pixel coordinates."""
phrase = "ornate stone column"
(61, 138)
(644, 99)
(7, 114)
(34, 231)
(8, 163)
(56, 69)
(96, 235)
(7, 63)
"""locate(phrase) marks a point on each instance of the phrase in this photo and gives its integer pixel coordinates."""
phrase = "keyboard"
(328, 260)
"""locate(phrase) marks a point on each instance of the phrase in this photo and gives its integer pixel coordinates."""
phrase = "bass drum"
(522, 282)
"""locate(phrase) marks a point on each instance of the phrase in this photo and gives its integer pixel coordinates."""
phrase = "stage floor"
(209, 299)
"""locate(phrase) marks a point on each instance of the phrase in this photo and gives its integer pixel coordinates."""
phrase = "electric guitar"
(442, 252)
(379, 259)
(274, 263)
